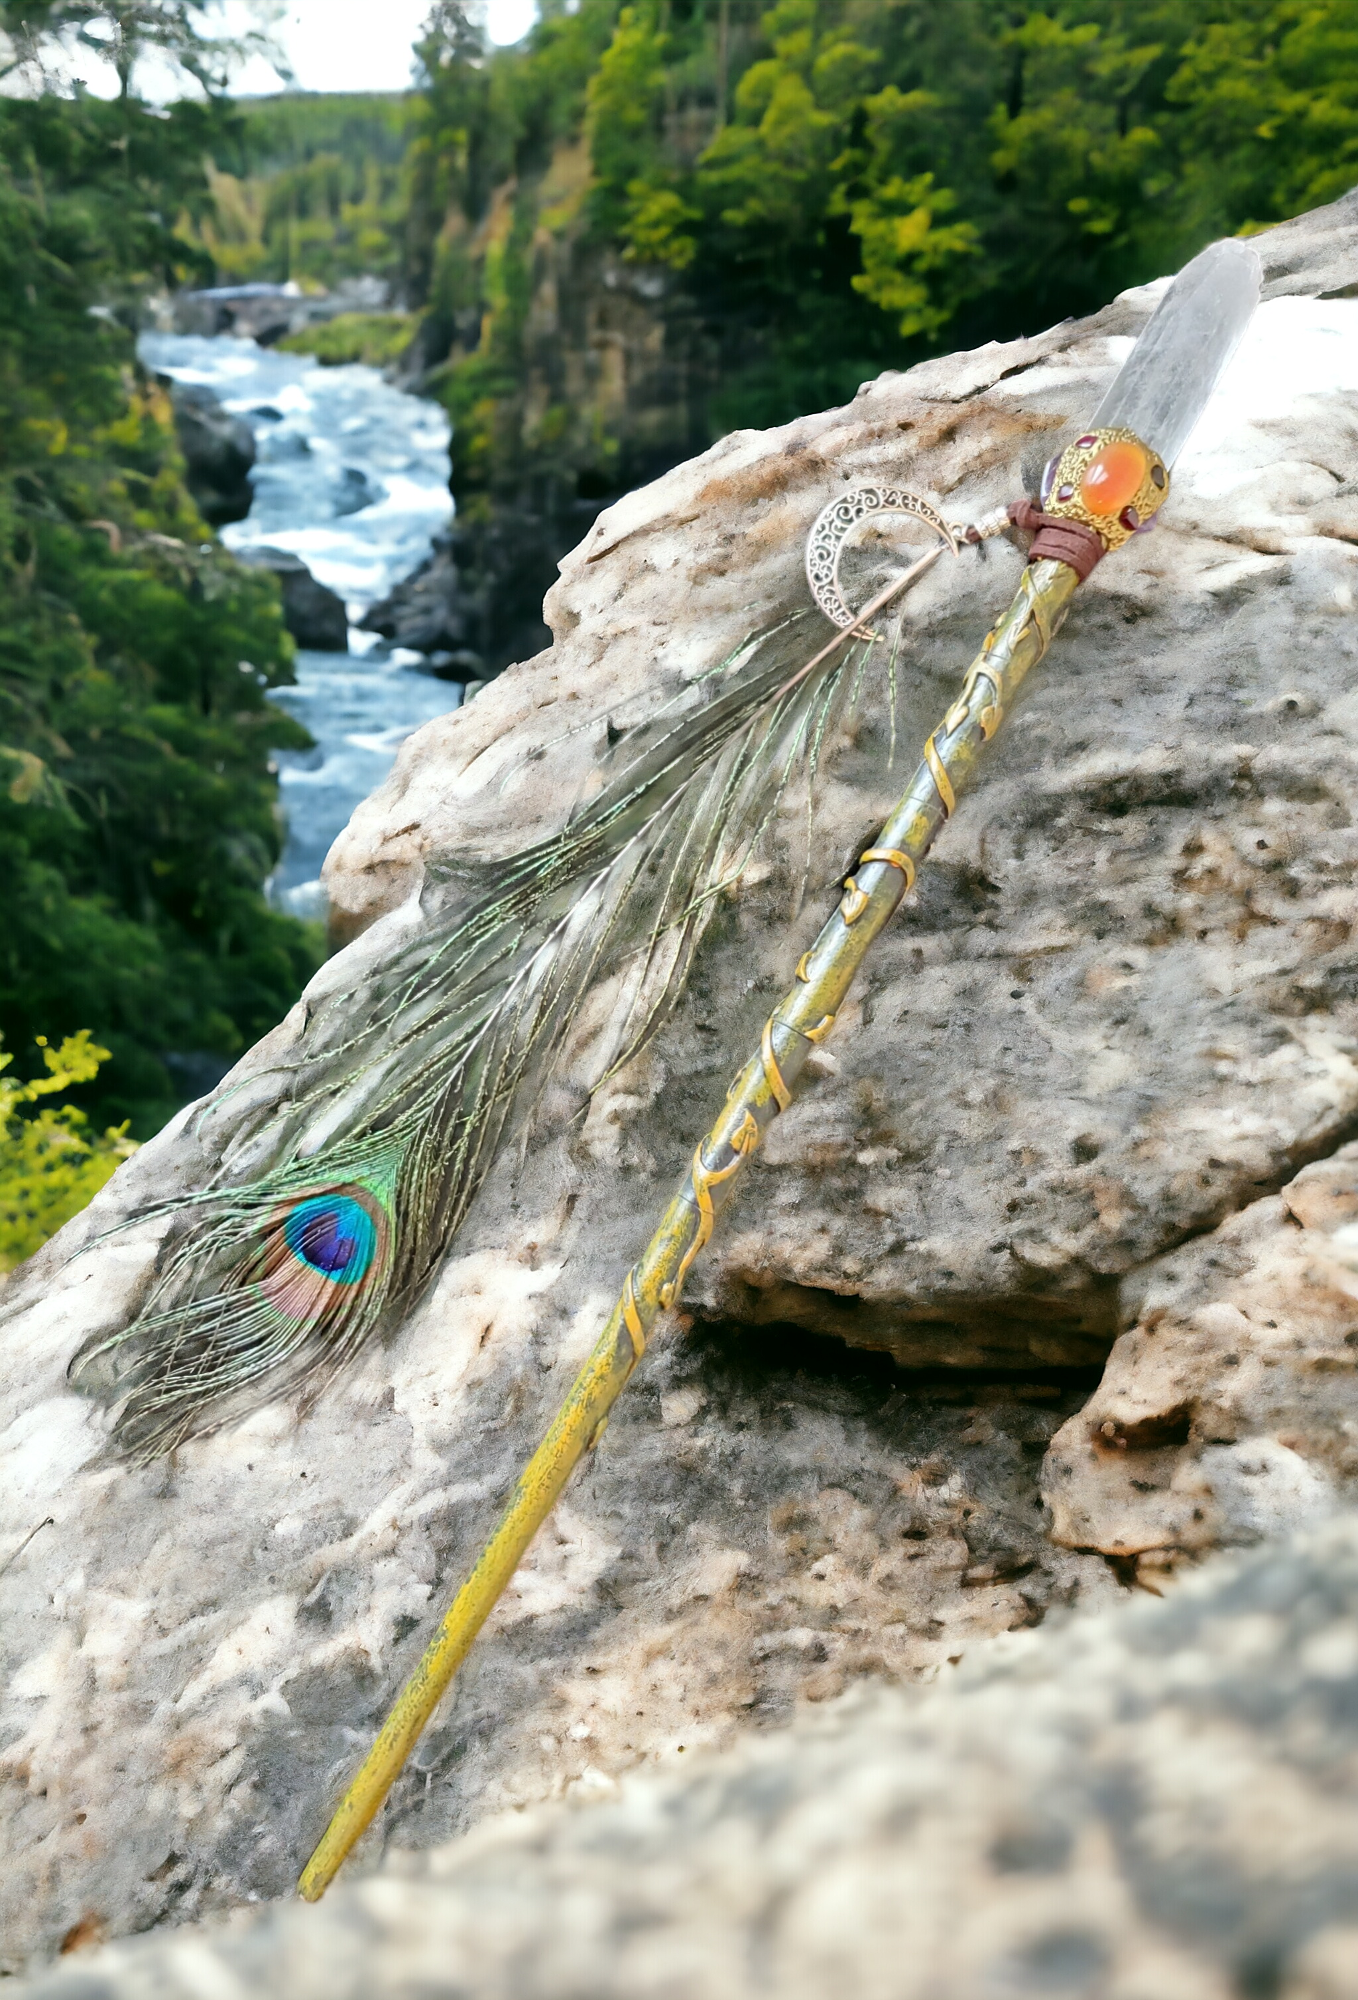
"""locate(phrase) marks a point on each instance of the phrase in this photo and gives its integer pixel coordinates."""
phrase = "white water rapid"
(352, 476)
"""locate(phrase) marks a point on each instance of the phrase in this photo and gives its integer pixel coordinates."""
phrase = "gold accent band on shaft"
(631, 1318)
(894, 859)
(759, 1093)
(771, 1069)
(938, 771)
(854, 902)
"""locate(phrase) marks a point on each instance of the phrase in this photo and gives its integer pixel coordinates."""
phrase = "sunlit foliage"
(52, 1162)
(840, 185)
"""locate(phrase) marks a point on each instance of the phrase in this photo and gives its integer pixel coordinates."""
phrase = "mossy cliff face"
(584, 376)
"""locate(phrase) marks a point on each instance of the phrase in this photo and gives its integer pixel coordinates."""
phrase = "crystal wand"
(1103, 489)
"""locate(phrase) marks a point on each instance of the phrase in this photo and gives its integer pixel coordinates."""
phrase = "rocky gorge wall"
(581, 378)
(1069, 1193)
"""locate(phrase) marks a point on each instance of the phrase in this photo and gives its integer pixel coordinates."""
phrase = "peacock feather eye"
(318, 1249)
(333, 1234)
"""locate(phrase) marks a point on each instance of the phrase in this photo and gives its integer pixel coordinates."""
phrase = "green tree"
(124, 32)
(138, 807)
(1267, 97)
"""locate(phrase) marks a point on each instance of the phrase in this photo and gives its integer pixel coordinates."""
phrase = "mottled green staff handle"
(1105, 487)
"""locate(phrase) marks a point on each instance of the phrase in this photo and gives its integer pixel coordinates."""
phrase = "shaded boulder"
(353, 491)
(314, 615)
(219, 453)
(426, 611)
(481, 590)
(261, 311)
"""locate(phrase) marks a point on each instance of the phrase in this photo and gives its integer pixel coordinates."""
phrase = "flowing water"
(352, 476)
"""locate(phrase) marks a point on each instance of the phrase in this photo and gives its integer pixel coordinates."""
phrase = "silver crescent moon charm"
(837, 521)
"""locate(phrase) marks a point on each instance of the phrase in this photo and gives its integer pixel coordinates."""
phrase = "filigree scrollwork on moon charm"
(836, 522)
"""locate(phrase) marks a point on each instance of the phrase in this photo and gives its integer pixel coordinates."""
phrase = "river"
(352, 476)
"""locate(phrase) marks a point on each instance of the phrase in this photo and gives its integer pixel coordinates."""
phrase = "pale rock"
(1158, 1803)
(1229, 1410)
(1119, 1013)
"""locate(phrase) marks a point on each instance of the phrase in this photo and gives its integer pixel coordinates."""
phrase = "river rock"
(314, 615)
(219, 453)
(264, 311)
(427, 611)
(1117, 1015)
(1158, 1804)
(261, 311)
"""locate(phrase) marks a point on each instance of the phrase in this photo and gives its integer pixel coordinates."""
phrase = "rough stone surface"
(1119, 1011)
(196, 1653)
(1156, 1805)
(1229, 1409)
(314, 614)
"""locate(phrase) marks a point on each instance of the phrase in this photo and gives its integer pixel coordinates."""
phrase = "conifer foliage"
(138, 810)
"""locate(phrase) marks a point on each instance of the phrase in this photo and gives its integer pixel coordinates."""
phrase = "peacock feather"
(333, 1207)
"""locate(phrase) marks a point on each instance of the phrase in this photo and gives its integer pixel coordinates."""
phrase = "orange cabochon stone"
(1113, 477)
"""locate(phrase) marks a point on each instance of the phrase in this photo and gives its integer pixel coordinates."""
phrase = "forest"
(138, 808)
(843, 185)
(822, 189)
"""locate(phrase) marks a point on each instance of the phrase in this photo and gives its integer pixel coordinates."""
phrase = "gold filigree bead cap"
(1110, 481)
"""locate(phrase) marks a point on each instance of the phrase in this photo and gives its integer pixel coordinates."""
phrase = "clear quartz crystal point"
(1170, 374)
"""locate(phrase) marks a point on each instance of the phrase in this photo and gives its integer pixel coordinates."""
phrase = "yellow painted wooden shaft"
(577, 1424)
(762, 1089)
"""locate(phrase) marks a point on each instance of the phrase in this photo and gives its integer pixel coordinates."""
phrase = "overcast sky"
(332, 45)
(365, 44)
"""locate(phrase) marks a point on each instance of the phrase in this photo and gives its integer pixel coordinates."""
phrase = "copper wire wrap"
(631, 1318)
(947, 797)
(771, 1069)
(855, 901)
(893, 859)
(704, 1179)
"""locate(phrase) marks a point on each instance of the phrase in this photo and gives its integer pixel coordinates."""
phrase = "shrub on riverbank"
(378, 339)
(51, 1160)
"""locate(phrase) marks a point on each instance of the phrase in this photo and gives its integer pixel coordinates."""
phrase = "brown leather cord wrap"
(1069, 542)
